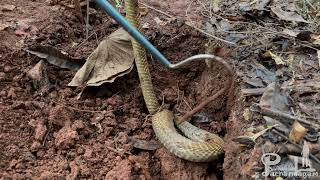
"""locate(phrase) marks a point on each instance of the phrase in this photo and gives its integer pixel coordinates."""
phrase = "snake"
(196, 145)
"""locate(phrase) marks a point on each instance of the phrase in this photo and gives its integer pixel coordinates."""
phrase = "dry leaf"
(259, 4)
(145, 145)
(290, 32)
(276, 58)
(111, 59)
(274, 99)
(287, 16)
(315, 39)
(55, 57)
(298, 132)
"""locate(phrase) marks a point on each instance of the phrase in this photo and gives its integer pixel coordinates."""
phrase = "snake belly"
(202, 145)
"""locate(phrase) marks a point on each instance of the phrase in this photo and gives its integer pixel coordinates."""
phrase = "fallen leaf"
(277, 59)
(287, 16)
(215, 5)
(255, 82)
(297, 133)
(111, 59)
(304, 86)
(259, 4)
(290, 32)
(145, 145)
(55, 57)
(274, 99)
(315, 39)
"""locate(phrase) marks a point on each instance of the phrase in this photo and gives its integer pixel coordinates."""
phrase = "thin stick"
(87, 21)
(78, 10)
(280, 115)
(189, 24)
(228, 85)
(298, 146)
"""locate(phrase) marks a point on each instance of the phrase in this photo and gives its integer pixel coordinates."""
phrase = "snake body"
(198, 145)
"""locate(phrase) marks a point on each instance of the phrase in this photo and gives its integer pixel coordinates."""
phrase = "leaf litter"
(111, 59)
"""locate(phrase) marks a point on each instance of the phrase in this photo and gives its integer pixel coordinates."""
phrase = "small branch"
(280, 115)
(298, 146)
(78, 10)
(228, 86)
(87, 21)
(253, 91)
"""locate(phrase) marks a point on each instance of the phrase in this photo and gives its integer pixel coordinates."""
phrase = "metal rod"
(107, 7)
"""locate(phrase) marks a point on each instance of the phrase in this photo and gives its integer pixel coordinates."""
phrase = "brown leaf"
(297, 133)
(277, 59)
(111, 59)
(145, 145)
(55, 57)
(274, 99)
(287, 16)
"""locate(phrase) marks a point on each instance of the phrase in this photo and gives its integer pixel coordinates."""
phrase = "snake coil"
(198, 145)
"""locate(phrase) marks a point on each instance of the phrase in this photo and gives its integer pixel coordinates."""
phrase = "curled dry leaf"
(145, 145)
(277, 59)
(111, 59)
(55, 57)
(297, 133)
(287, 16)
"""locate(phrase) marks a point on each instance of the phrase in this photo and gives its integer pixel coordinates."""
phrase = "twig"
(298, 146)
(302, 43)
(228, 86)
(189, 24)
(280, 115)
(309, 3)
(253, 91)
(78, 10)
(87, 21)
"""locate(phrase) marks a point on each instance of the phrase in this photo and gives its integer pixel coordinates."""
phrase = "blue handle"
(108, 8)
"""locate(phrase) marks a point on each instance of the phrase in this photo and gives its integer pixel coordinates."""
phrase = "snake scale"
(197, 145)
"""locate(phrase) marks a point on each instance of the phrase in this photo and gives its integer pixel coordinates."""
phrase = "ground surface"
(52, 134)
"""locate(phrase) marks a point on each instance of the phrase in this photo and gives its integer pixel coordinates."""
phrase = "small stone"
(11, 93)
(2, 76)
(66, 137)
(41, 153)
(78, 124)
(35, 146)
(60, 115)
(28, 156)
(13, 163)
(3, 93)
(80, 150)
(7, 69)
(32, 123)
(40, 131)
